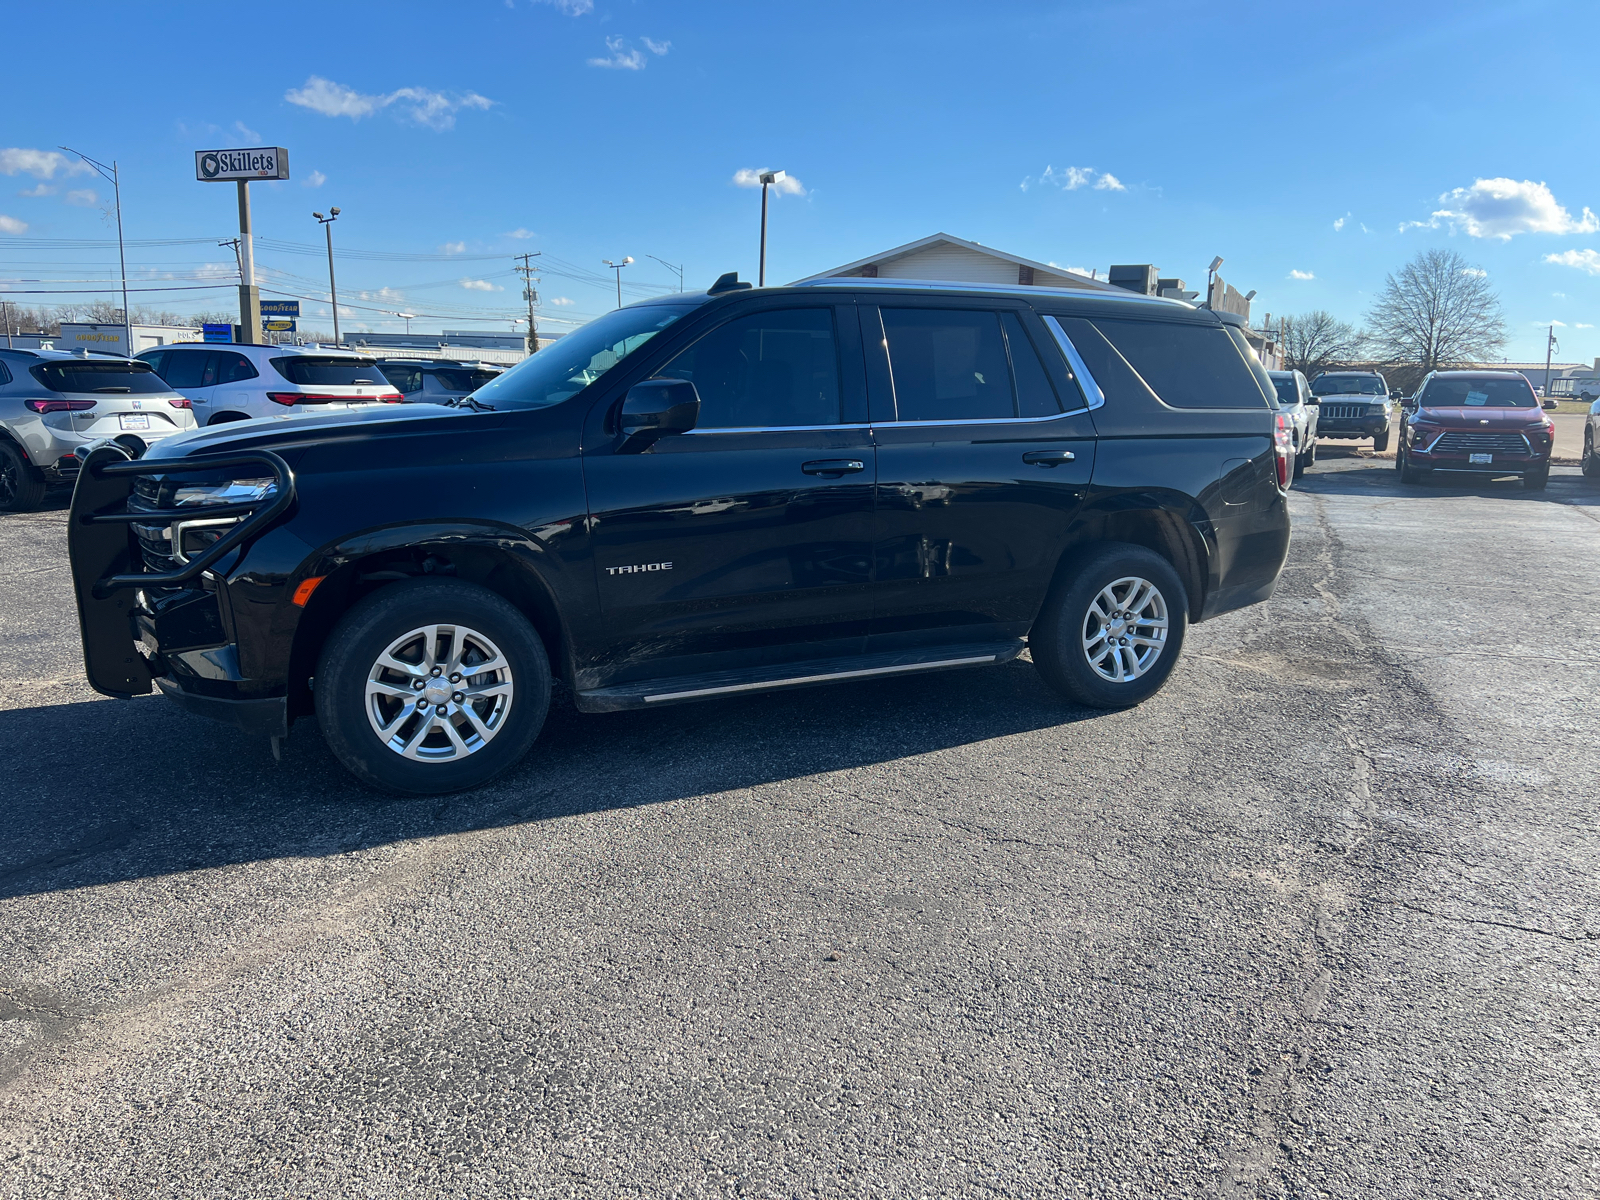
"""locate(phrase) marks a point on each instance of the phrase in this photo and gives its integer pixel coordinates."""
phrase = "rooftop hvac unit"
(1139, 278)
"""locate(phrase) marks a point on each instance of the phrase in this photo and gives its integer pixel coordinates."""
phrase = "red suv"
(1488, 422)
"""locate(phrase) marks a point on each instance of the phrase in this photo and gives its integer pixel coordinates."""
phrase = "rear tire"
(22, 488)
(1591, 464)
(1084, 637)
(1381, 442)
(432, 686)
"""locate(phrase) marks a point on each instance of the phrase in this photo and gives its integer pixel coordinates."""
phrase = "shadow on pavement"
(1378, 477)
(120, 790)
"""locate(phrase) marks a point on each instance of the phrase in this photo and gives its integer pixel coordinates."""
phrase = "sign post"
(240, 167)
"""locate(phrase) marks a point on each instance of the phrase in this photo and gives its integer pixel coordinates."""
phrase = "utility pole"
(6, 308)
(1549, 349)
(530, 294)
(114, 176)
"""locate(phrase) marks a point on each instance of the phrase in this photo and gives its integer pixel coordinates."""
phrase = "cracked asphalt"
(1321, 919)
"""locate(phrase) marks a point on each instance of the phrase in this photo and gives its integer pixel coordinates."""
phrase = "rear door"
(985, 450)
(748, 541)
(193, 373)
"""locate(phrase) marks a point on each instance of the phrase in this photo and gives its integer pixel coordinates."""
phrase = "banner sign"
(226, 166)
(217, 333)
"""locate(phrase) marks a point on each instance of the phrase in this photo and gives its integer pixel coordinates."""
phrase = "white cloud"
(12, 225)
(1583, 325)
(1502, 208)
(573, 8)
(1475, 272)
(246, 132)
(787, 186)
(622, 56)
(1547, 324)
(1584, 260)
(1301, 275)
(655, 47)
(1364, 229)
(1339, 224)
(41, 164)
(1559, 295)
(453, 248)
(1070, 179)
(480, 285)
(42, 189)
(82, 197)
(436, 110)
(561, 301)
(314, 180)
(520, 233)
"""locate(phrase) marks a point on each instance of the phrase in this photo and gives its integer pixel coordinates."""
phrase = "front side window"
(948, 365)
(769, 370)
(113, 378)
(310, 370)
(1188, 366)
(565, 367)
(1478, 393)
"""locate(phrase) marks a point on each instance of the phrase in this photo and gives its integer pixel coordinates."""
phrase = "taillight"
(1283, 444)
(180, 402)
(50, 406)
(392, 398)
(289, 398)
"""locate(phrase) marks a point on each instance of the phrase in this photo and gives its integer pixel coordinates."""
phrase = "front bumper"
(268, 716)
(1352, 427)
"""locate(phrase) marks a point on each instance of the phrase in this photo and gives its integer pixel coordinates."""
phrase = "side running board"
(652, 693)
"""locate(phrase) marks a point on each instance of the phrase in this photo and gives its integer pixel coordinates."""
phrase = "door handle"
(833, 467)
(1048, 458)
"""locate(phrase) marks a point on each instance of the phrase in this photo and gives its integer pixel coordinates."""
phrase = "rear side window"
(1187, 366)
(404, 379)
(190, 368)
(5, 375)
(157, 361)
(1035, 396)
(767, 370)
(308, 370)
(948, 365)
(114, 378)
(233, 367)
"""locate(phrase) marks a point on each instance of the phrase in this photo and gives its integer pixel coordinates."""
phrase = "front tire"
(1380, 443)
(1536, 481)
(432, 686)
(1408, 473)
(1591, 464)
(22, 488)
(1112, 627)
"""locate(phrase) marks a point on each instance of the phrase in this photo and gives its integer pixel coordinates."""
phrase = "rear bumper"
(268, 717)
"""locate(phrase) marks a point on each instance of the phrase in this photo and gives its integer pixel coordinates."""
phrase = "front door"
(746, 542)
(985, 450)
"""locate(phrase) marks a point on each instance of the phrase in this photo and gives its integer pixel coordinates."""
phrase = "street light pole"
(115, 176)
(768, 179)
(333, 291)
(1549, 350)
(617, 267)
(669, 267)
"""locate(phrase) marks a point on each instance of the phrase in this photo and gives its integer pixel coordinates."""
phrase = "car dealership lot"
(1319, 918)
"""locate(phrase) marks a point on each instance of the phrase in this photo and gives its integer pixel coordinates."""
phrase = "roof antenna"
(727, 283)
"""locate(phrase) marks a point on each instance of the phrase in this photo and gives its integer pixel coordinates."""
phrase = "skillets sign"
(226, 166)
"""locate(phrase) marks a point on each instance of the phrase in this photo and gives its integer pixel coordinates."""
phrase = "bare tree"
(1438, 311)
(1317, 340)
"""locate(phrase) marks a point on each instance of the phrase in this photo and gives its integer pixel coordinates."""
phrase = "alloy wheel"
(1125, 629)
(439, 693)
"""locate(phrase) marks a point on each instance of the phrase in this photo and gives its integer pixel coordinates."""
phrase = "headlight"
(235, 491)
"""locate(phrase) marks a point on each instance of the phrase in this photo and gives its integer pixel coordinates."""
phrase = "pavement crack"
(1550, 933)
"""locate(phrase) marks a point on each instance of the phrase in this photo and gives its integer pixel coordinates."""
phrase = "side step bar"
(652, 693)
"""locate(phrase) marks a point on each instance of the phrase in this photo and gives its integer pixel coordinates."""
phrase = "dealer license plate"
(134, 420)
(1480, 458)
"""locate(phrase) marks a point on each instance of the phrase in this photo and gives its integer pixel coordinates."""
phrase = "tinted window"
(452, 380)
(947, 365)
(1187, 366)
(309, 370)
(405, 379)
(1288, 394)
(564, 368)
(112, 377)
(1035, 396)
(1478, 393)
(232, 367)
(5, 375)
(1349, 385)
(157, 361)
(190, 368)
(768, 369)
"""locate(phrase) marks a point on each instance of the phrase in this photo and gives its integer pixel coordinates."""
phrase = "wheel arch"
(1166, 525)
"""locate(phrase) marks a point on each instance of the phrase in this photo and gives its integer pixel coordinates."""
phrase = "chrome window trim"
(770, 429)
(980, 420)
(1086, 380)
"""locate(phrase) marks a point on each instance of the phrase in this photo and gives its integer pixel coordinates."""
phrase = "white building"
(952, 259)
(112, 339)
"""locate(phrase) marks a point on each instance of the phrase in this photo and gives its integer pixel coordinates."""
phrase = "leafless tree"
(1317, 340)
(1438, 311)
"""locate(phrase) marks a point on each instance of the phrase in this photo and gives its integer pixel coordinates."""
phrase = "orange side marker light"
(303, 593)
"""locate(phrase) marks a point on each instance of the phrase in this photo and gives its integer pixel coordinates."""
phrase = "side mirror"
(1552, 403)
(1313, 399)
(654, 408)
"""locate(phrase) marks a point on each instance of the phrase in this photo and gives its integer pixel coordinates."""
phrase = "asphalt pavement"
(1320, 919)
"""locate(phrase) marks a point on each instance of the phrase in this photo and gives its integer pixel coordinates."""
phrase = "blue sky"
(1328, 140)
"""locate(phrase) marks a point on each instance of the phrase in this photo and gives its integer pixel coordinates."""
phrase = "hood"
(297, 433)
(1483, 418)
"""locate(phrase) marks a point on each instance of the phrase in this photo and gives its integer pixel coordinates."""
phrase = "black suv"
(700, 496)
(437, 380)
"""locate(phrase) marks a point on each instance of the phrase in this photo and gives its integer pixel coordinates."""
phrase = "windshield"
(1288, 394)
(308, 370)
(1478, 393)
(1349, 385)
(568, 366)
(117, 378)
(463, 381)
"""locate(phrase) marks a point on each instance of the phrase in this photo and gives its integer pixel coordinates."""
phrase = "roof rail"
(1019, 289)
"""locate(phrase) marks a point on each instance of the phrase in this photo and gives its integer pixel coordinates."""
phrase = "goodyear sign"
(225, 166)
(280, 308)
(273, 325)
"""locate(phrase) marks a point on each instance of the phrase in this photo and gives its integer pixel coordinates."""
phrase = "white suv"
(235, 383)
